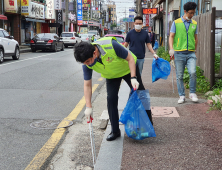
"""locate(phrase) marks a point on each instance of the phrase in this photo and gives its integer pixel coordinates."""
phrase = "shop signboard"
(146, 20)
(58, 4)
(36, 10)
(11, 6)
(50, 10)
(24, 7)
(59, 18)
(72, 17)
(79, 12)
(147, 11)
(86, 15)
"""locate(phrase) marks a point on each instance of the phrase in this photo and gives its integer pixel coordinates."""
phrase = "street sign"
(124, 19)
(130, 19)
(149, 11)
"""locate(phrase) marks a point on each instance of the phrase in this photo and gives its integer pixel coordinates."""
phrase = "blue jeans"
(181, 60)
(140, 65)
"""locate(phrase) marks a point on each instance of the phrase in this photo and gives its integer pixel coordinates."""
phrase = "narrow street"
(39, 86)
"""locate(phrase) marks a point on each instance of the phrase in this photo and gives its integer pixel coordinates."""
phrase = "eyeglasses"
(138, 23)
(191, 13)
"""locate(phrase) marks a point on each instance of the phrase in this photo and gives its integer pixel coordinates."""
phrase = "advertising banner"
(24, 7)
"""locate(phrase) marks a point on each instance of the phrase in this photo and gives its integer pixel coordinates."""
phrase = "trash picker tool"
(92, 141)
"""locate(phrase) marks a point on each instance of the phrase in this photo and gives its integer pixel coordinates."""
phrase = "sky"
(121, 7)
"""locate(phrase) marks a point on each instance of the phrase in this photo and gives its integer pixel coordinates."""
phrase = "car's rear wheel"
(17, 54)
(62, 47)
(55, 49)
(1, 56)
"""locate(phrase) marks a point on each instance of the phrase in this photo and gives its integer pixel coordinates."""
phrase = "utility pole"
(139, 8)
(166, 25)
(3, 14)
(66, 21)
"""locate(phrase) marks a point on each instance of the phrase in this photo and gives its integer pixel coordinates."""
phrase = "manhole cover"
(164, 112)
(51, 124)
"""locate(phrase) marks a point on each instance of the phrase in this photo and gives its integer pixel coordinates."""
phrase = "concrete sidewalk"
(187, 136)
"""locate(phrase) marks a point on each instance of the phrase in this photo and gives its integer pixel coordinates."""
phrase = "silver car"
(85, 37)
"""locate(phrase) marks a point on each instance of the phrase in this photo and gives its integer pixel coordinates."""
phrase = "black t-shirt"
(137, 41)
(121, 52)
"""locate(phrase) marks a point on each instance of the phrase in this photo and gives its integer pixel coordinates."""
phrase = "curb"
(110, 153)
(25, 50)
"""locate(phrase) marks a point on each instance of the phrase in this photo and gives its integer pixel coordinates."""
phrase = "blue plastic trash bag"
(156, 45)
(136, 120)
(160, 69)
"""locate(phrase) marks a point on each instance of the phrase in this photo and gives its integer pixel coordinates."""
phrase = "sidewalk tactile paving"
(164, 112)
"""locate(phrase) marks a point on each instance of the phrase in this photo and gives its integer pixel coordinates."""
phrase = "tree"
(113, 25)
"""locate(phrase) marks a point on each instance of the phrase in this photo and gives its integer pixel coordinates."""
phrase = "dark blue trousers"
(112, 86)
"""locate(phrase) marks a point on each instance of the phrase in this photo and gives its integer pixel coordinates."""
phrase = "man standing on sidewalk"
(136, 39)
(152, 38)
(114, 62)
(183, 42)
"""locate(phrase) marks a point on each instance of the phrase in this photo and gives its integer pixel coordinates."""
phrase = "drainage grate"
(51, 124)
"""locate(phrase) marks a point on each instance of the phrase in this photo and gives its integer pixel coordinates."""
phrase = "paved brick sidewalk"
(191, 141)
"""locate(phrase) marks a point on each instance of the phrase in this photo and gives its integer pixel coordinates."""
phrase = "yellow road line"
(100, 79)
(49, 146)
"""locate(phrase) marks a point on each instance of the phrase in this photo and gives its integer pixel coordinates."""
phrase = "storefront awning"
(34, 20)
(3, 17)
(54, 24)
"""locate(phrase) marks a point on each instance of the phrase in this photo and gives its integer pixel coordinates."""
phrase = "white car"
(8, 46)
(70, 38)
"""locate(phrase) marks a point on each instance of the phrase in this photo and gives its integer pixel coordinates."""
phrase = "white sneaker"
(193, 97)
(181, 99)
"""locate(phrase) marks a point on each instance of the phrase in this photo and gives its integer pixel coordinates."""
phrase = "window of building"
(111, 9)
(114, 9)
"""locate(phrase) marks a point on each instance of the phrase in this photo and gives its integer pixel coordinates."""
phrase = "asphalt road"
(39, 86)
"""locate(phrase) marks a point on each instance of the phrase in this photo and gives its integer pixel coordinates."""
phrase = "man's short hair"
(189, 6)
(138, 18)
(83, 51)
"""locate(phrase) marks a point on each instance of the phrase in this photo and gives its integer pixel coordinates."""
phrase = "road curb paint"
(40, 158)
(100, 79)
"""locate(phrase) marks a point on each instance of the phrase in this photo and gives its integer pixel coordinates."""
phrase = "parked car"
(85, 37)
(46, 41)
(70, 38)
(120, 38)
(94, 32)
(8, 46)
